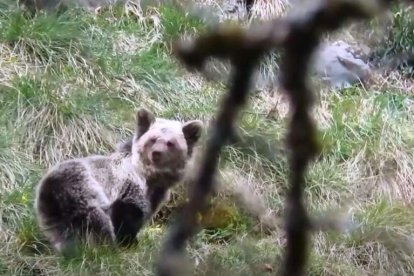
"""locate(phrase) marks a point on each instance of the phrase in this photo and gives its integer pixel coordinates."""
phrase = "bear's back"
(105, 175)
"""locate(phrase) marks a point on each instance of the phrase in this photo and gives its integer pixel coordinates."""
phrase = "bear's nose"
(156, 156)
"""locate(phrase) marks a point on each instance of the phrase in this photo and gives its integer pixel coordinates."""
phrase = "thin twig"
(186, 224)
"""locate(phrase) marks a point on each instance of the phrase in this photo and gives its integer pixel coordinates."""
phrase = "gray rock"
(339, 64)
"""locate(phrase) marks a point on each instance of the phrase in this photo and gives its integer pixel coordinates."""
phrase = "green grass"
(399, 43)
(47, 37)
(177, 23)
(70, 86)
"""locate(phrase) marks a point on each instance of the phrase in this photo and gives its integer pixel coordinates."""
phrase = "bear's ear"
(192, 132)
(144, 120)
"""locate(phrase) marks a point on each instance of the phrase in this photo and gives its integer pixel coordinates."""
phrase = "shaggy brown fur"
(107, 199)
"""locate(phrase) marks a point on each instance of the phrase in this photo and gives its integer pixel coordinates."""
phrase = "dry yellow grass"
(65, 102)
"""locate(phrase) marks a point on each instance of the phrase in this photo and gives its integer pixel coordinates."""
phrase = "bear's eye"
(170, 145)
(153, 140)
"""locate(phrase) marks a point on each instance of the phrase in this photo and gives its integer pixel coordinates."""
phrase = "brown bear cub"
(107, 199)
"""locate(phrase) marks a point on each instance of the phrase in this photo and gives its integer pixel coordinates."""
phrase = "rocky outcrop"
(340, 65)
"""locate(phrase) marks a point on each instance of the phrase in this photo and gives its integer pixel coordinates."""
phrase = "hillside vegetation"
(70, 85)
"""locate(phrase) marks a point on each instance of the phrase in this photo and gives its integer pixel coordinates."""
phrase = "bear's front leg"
(156, 197)
(128, 214)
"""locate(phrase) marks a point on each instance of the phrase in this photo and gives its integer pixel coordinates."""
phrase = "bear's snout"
(162, 149)
(156, 156)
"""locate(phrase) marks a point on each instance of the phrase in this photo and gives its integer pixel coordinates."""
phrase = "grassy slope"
(70, 86)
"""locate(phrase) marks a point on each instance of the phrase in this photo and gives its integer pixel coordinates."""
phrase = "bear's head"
(162, 147)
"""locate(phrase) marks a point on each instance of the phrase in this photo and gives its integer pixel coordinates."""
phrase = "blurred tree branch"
(298, 35)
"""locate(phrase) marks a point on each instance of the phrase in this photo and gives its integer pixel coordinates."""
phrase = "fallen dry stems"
(298, 36)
